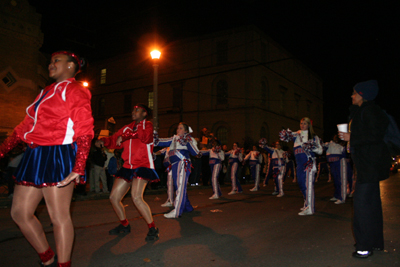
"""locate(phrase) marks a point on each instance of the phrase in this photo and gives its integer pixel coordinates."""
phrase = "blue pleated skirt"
(46, 165)
(147, 174)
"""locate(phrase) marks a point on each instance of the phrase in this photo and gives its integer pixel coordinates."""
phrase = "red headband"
(142, 108)
(75, 56)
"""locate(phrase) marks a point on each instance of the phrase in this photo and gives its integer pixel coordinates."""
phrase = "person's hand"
(71, 177)
(119, 140)
(344, 136)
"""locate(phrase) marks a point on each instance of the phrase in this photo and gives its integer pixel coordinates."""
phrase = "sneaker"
(232, 192)
(120, 229)
(214, 197)
(167, 204)
(254, 189)
(171, 214)
(362, 254)
(333, 199)
(275, 193)
(306, 211)
(153, 234)
(280, 195)
(339, 202)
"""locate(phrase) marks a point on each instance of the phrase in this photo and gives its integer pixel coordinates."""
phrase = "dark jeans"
(368, 218)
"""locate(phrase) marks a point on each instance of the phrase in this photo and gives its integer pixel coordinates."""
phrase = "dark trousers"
(368, 218)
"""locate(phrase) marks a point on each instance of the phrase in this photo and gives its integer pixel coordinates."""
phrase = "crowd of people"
(58, 138)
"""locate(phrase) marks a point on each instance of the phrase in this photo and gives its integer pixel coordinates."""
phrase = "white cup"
(344, 127)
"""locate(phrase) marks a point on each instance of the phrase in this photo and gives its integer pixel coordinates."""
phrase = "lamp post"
(155, 55)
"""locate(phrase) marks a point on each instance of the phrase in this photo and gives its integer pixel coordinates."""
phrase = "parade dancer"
(235, 157)
(255, 159)
(306, 145)
(58, 129)
(278, 161)
(216, 157)
(181, 146)
(136, 139)
(336, 157)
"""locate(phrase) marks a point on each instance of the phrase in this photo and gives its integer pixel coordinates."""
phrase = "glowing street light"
(155, 55)
(85, 84)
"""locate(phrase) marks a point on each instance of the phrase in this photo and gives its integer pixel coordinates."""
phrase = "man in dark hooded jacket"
(367, 127)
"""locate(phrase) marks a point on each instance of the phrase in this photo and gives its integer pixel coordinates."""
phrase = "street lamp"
(155, 55)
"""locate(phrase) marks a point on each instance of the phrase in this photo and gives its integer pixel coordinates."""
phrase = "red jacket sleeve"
(145, 131)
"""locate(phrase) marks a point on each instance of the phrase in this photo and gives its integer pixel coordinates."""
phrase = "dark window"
(222, 92)
(222, 135)
(102, 106)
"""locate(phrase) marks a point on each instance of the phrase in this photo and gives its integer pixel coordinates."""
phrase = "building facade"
(238, 83)
(22, 67)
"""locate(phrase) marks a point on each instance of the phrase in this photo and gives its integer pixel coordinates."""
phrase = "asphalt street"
(249, 229)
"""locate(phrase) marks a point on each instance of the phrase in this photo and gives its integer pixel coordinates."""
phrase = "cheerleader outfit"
(336, 157)
(304, 151)
(278, 162)
(255, 159)
(235, 157)
(180, 149)
(58, 129)
(137, 145)
(216, 157)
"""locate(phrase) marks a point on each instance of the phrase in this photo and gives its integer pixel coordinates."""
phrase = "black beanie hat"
(368, 89)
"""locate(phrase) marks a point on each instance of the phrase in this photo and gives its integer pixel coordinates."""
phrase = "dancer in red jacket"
(137, 141)
(58, 129)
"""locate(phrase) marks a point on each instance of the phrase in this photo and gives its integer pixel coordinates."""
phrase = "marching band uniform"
(216, 157)
(235, 157)
(336, 156)
(180, 149)
(304, 151)
(255, 159)
(278, 161)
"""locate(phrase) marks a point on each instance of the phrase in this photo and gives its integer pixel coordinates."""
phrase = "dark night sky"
(342, 42)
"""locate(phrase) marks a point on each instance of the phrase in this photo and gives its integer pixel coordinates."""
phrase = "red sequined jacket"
(61, 114)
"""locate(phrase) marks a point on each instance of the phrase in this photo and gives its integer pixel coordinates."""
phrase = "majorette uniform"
(255, 159)
(137, 142)
(216, 157)
(235, 157)
(304, 151)
(180, 149)
(336, 157)
(278, 161)
(58, 129)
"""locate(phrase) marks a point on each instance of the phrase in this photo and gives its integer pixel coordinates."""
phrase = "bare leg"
(138, 186)
(119, 190)
(25, 202)
(58, 202)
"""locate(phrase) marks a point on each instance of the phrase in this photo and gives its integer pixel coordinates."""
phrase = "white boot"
(171, 214)
(306, 211)
(167, 204)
